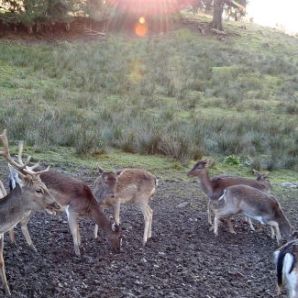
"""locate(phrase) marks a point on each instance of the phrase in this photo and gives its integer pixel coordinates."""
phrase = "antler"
(6, 154)
(29, 170)
(20, 165)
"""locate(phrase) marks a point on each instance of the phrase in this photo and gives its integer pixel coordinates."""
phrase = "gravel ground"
(183, 259)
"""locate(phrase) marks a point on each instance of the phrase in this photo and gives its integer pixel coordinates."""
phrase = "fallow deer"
(215, 186)
(262, 177)
(76, 199)
(31, 194)
(287, 268)
(134, 186)
(255, 204)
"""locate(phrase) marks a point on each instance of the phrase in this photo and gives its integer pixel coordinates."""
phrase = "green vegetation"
(180, 95)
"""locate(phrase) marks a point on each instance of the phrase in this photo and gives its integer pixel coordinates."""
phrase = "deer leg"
(209, 213)
(146, 214)
(230, 226)
(25, 231)
(215, 224)
(12, 236)
(72, 221)
(95, 231)
(79, 234)
(2, 267)
(117, 212)
(275, 225)
(248, 220)
(278, 290)
(272, 232)
(150, 222)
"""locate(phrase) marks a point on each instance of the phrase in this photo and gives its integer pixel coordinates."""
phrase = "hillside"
(180, 94)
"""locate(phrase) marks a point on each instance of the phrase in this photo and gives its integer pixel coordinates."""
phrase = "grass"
(163, 167)
(181, 95)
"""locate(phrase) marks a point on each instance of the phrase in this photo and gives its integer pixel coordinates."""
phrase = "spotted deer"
(285, 259)
(77, 200)
(214, 187)
(30, 194)
(135, 186)
(255, 204)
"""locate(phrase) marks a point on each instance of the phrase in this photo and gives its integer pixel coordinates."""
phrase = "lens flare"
(142, 20)
(141, 27)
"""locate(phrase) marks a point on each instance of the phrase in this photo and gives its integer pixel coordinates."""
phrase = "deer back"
(128, 185)
(220, 183)
(135, 183)
(69, 191)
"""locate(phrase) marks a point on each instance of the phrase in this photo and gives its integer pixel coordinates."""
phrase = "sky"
(272, 12)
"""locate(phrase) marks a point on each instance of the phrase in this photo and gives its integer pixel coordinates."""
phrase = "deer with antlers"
(30, 194)
(77, 200)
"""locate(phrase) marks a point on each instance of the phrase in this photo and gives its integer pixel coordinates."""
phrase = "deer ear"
(99, 170)
(119, 172)
(206, 162)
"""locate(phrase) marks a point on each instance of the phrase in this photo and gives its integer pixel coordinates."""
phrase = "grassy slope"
(131, 93)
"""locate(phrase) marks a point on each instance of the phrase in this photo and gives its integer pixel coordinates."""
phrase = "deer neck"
(100, 218)
(284, 225)
(12, 209)
(205, 182)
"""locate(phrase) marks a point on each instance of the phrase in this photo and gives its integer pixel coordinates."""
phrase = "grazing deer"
(76, 199)
(134, 186)
(31, 194)
(287, 268)
(215, 186)
(255, 204)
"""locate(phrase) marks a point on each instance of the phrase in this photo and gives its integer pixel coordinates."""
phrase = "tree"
(218, 7)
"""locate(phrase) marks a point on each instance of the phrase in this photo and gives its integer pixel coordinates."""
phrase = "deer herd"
(34, 189)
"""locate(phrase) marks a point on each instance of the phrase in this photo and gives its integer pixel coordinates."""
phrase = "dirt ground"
(183, 259)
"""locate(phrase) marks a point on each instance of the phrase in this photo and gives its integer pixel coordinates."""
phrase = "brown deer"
(76, 199)
(263, 179)
(215, 186)
(287, 268)
(134, 186)
(30, 194)
(255, 204)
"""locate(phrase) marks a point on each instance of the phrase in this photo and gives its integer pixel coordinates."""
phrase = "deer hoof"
(77, 252)
(32, 246)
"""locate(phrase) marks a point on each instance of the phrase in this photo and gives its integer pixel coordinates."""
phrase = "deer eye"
(39, 190)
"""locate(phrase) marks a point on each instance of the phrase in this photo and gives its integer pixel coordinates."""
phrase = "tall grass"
(179, 95)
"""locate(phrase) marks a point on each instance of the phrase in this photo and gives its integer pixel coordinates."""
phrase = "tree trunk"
(217, 14)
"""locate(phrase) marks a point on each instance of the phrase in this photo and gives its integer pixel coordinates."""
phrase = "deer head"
(198, 168)
(34, 191)
(105, 187)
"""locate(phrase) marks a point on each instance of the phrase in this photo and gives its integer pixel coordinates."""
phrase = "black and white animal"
(287, 268)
